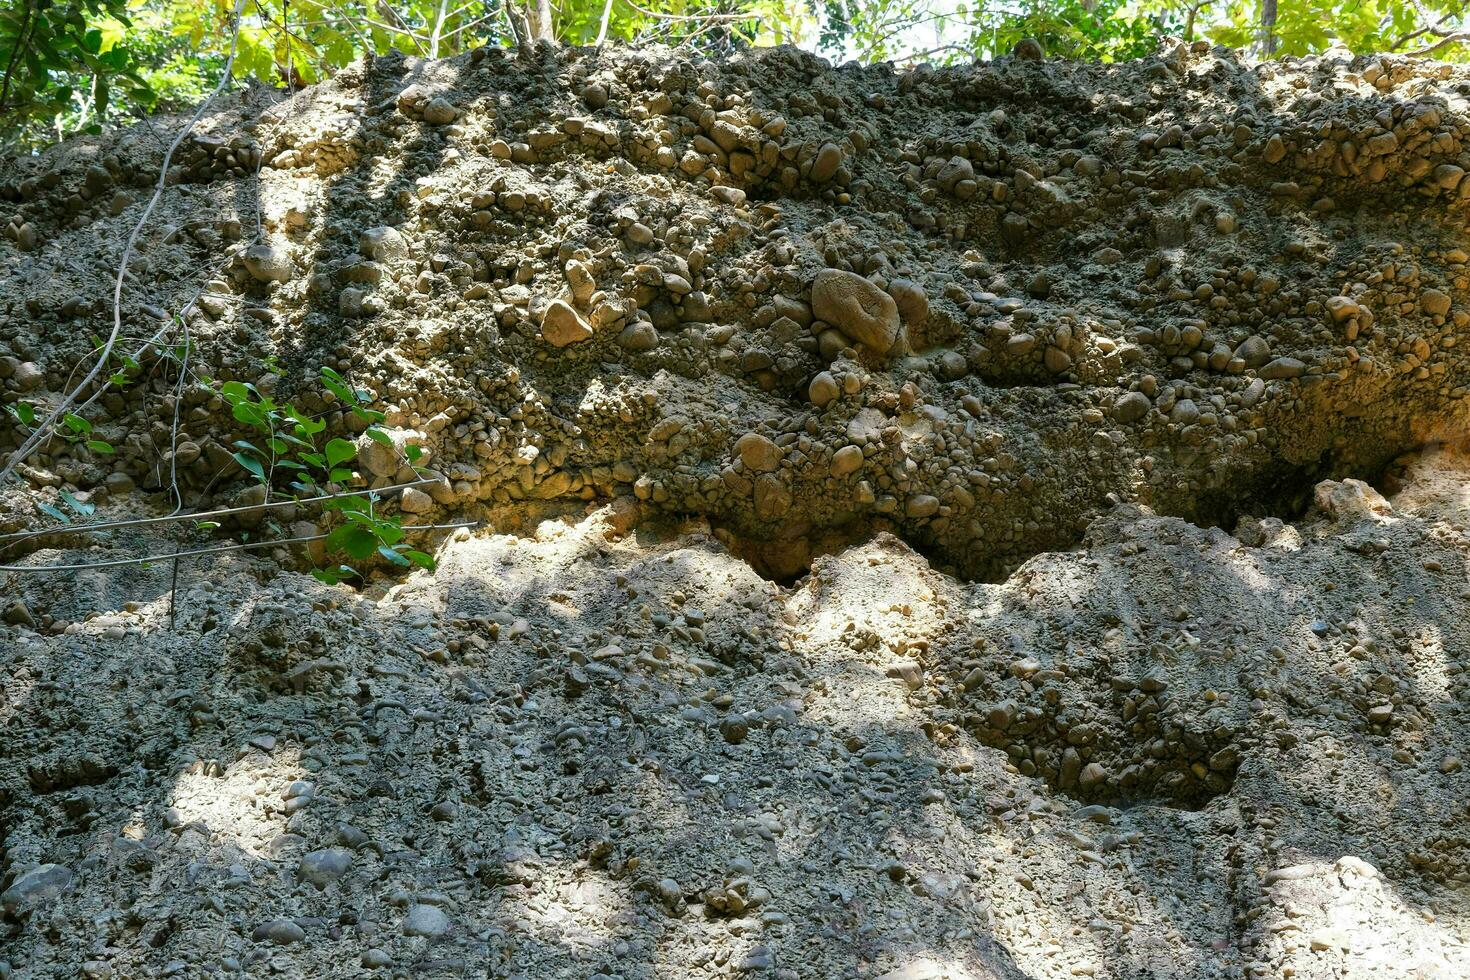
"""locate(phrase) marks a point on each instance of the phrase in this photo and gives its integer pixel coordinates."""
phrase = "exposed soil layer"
(964, 305)
(926, 536)
(601, 751)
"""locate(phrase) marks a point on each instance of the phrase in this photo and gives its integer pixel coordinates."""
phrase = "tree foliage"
(74, 66)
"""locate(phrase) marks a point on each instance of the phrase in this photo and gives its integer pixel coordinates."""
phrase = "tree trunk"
(538, 13)
(1268, 28)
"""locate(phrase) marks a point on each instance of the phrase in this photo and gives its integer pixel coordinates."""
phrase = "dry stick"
(43, 431)
(173, 592)
(243, 546)
(223, 511)
(602, 29)
(721, 18)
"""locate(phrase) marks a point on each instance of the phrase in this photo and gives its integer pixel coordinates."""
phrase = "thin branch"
(466, 26)
(707, 18)
(898, 27)
(939, 50)
(1432, 26)
(240, 546)
(602, 29)
(1445, 42)
(204, 515)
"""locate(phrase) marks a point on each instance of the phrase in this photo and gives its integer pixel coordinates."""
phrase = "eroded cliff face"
(964, 305)
(908, 543)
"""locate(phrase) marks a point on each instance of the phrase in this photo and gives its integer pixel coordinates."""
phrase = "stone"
(758, 453)
(1028, 49)
(325, 866)
(1341, 308)
(382, 460)
(383, 244)
(562, 325)
(1254, 351)
(376, 959)
(732, 196)
(351, 302)
(41, 885)
(1056, 360)
(439, 112)
(922, 505)
(415, 501)
(857, 307)
(1283, 367)
(913, 302)
(282, 932)
(824, 167)
(955, 170)
(1448, 176)
(1131, 407)
(28, 376)
(638, 337)
(425, 920)
(268, 263)
(1434, 302)
(17, 613)
(823, 389)
(846, 460)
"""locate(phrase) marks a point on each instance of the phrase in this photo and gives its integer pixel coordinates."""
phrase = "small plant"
(78, 507)
(75, 429)
(290, 442)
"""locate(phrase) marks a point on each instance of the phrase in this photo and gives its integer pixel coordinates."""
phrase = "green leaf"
(98, 446)
(252, 464)
(413, 452)
(420, 559)
(206, 525)
(379, 436)
(340, 475)
(339, 451)
(343, 393)
(48, 509)
(234, 391)
(25, 412)
(332, 576)
(76, 423)
(393, 556)
(80, 507)
(250, 414)
(358, 542)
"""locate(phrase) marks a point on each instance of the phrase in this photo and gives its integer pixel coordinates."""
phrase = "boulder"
(857, 307)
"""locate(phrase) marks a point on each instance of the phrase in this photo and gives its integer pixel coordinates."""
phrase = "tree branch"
(706, 18)
(602, 29)
(1444, 42)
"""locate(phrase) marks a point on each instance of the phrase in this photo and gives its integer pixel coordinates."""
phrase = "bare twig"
(204, 515)
(707, 18)
(239, 546)
(602, 28)
(1444, 42)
